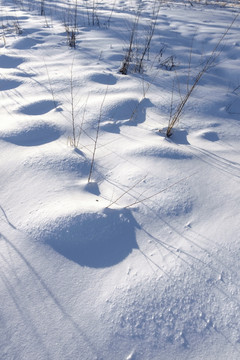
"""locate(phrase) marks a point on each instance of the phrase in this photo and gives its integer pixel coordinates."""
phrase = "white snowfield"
(116, 241)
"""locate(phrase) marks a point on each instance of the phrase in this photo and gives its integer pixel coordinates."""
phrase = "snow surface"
(142, 262)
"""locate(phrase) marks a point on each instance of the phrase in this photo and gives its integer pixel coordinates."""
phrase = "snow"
(142, 261)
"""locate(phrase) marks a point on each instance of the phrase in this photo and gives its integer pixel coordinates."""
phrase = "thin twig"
(97, 133)
(212, 58)
(50, 84)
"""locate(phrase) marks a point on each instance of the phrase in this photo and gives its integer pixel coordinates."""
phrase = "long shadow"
(180, 137)
(217, 161)
(24, 313)
(51, 295)
(180, 253)
(151, 261)
(6, 218)
(57, 10)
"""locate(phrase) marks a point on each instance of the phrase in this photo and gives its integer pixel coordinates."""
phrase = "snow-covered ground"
(125, 246)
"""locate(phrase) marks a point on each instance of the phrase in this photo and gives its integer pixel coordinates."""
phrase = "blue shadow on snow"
(95, 240)
(39, 134)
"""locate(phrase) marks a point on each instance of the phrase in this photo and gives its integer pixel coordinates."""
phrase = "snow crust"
(142, 262)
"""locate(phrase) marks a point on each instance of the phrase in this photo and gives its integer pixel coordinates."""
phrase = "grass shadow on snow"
(179, 136)
(95, 240)
(130, 113)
